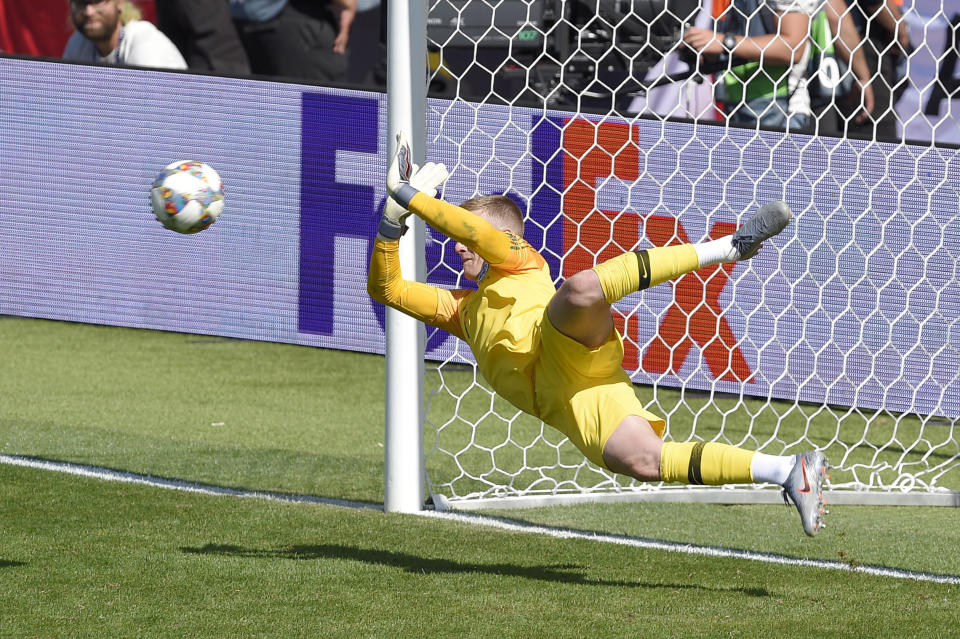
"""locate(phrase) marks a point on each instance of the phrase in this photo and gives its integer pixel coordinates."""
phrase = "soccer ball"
(187, 196)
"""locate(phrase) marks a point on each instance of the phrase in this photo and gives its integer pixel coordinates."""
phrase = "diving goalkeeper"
(555, 353)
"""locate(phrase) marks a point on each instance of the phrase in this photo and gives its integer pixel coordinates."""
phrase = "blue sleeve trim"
(391, 229)
(404, 194)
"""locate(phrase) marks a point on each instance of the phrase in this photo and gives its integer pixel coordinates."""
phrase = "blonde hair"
(129, 12)
(499, 210)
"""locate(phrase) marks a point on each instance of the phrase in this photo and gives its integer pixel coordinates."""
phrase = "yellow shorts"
(584, 392)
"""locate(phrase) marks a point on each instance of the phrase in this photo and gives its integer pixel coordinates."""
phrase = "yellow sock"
(638, 270)
(705, 463)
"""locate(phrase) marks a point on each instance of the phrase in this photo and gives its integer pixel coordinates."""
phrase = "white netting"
(842, 335)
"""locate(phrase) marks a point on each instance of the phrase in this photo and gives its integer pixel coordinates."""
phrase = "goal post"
(841, 335)
(405, 338)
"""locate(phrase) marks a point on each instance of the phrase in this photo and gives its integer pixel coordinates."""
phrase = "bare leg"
(634, 450)
(581, 308)
(580, 311)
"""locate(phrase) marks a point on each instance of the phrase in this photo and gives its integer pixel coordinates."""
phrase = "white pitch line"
(693, 549)
(107, 474)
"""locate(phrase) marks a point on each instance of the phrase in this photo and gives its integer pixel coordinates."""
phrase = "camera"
(591, 55)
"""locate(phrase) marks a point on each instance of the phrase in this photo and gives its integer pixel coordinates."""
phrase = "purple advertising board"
(857, 305)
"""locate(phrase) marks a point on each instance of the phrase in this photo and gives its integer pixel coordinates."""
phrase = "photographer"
(767, 43)
(885, 48)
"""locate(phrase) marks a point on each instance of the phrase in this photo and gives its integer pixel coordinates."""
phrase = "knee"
(642, 466)
(634, 450)
(582, 289)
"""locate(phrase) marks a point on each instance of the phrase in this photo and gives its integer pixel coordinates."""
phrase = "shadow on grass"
(6, 563)
(561, 573)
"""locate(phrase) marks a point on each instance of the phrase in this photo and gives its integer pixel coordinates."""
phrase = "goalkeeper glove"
(405, 176)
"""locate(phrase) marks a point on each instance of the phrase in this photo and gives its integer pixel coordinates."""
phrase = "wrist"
(390, 229)
(729, 43)
(404, 194)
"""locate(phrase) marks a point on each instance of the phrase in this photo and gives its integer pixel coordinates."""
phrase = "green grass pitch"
(83, 557)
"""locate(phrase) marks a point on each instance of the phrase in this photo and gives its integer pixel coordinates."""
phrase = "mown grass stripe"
(108, 474)
(693, 549)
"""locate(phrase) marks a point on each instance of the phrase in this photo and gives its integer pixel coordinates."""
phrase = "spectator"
(111, 31)
(303, 39)
(834, 115)
(768, 45)
(886, 46)
(205, 34)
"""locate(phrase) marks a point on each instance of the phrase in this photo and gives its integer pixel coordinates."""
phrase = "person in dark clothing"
(886, 46)
(298, 39)
(205, 34)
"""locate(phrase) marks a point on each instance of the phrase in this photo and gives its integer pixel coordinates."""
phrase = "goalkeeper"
(555, 354)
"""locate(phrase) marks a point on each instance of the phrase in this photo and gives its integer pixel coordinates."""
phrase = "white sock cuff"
(771, 469)
(715, 251)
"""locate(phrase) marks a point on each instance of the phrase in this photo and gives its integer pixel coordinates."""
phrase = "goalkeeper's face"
(472, 263)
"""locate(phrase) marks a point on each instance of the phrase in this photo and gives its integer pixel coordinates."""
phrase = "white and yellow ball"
(187, 196)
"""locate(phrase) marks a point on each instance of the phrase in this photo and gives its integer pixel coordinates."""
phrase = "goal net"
(842, 334)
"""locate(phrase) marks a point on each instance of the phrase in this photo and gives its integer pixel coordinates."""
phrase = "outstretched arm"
(429, 304)
(474, 232)
(787, 46)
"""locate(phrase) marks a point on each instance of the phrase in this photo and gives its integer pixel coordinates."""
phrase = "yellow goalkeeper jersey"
(583, 392)
(501, 323)
(500, 320)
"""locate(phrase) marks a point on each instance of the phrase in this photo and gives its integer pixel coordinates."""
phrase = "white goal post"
(842, 335)
(403, 438)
